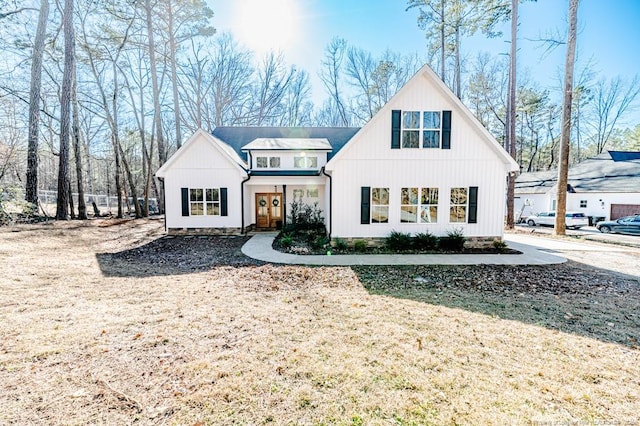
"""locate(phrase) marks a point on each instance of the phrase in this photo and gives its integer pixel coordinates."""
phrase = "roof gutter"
(242, 202)
(330, 200)
(164, 202)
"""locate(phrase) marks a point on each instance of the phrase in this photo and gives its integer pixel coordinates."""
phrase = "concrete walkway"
(260, 247)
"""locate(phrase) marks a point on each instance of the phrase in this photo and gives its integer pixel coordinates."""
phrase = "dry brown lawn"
(108, 323)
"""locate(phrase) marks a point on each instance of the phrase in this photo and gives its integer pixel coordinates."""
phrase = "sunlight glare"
(265, 25)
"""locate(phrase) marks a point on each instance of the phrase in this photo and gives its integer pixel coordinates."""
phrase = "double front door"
(269, 210)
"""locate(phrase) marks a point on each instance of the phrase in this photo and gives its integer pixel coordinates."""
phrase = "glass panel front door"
(269, 210)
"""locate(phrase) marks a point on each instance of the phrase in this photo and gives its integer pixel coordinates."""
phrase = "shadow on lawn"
(571, 297)
(171, 255)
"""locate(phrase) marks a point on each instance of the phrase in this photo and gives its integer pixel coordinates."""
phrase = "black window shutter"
(365, 205)
(473, 204)
(395, 129)
(223, 202)
(185, 201)
(446, 129)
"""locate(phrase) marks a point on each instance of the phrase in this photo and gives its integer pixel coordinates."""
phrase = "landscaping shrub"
(425, 241)
(340, 244)
(500, 245)
(305, 216)
(398, 241)
(360, 245)
(320, 242)
(286, 240)
(453, 241)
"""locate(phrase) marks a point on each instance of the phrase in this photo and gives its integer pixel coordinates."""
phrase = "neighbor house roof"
(269, 144)
(239, 137)
(614, 171)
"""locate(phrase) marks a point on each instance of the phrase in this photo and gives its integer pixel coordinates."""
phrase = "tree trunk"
(162, 150)
(174, 75)
(565, 137)
(62, 208)
(511, 117)
(77, 148)
(31, 190)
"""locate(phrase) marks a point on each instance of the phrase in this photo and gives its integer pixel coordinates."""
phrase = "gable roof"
(238, 137)
(614, 171)
(275, 144)
(430, 75)
(227, 152)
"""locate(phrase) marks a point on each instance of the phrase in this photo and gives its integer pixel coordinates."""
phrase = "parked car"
(573, 219)
(624, 225)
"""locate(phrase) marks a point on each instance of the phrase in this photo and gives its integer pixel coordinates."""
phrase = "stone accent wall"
(204, 231)
(472, 242)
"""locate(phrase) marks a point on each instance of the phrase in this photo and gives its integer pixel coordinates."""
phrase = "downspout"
(164, 202)
(242, 202)
(330, 201)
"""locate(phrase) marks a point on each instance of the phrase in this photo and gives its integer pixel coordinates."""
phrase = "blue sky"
(609, 32)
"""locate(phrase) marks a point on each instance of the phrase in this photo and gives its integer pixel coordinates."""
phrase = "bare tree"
(611, 100)
(64, 195)
(330, 76)
(31, 190)
(563, 169)
(511, 113)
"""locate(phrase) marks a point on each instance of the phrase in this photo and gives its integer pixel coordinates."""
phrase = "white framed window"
(409, 205)
(429, 205)
(379, 205)
(583, 204)
(262, 162)
(305, 162)
(421, 129)
(267, 162)
(312, 193)
(274, 162)
(419, 205)
(458, 205)
(204, 201)
(298, 194)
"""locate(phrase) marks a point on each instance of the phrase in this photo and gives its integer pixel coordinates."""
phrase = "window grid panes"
(458, 205)
(379, 205)
(409, 205)
(417, 132)
(274, 162)
(305, 162)
(204, 201)
(261, 162)
(429, 205)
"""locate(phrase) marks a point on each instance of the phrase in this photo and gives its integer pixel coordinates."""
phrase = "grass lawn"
(108, 323)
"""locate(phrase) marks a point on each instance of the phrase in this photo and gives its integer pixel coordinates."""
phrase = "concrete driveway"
(589, 233)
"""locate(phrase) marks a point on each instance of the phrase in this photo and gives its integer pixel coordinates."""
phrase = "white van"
(574, 220)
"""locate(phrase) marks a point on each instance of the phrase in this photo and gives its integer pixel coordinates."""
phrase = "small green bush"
(360, 245)
(425, 241)
(319, 242)
(500, 245)
(453, 241)
(286, 240)
(398, 241)
(340, 244)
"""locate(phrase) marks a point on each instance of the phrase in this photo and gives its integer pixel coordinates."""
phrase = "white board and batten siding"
(201, 163)
(473, 160)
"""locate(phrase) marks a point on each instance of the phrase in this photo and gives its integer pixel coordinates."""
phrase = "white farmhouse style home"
(423, 163)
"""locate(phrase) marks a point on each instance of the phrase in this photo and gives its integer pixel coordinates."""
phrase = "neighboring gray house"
(606, 186)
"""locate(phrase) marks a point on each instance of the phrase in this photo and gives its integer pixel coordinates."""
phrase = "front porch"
(267, 199)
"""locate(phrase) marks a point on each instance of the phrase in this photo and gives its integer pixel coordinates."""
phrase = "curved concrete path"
(260, 247)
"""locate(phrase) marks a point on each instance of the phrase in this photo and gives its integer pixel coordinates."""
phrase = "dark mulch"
(178, 255)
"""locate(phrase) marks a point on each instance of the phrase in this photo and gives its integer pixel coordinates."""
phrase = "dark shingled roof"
(237, 137)
(615, 171)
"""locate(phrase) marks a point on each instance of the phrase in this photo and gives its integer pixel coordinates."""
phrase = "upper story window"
(305, 162)
(420, 129)
(268, 162)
